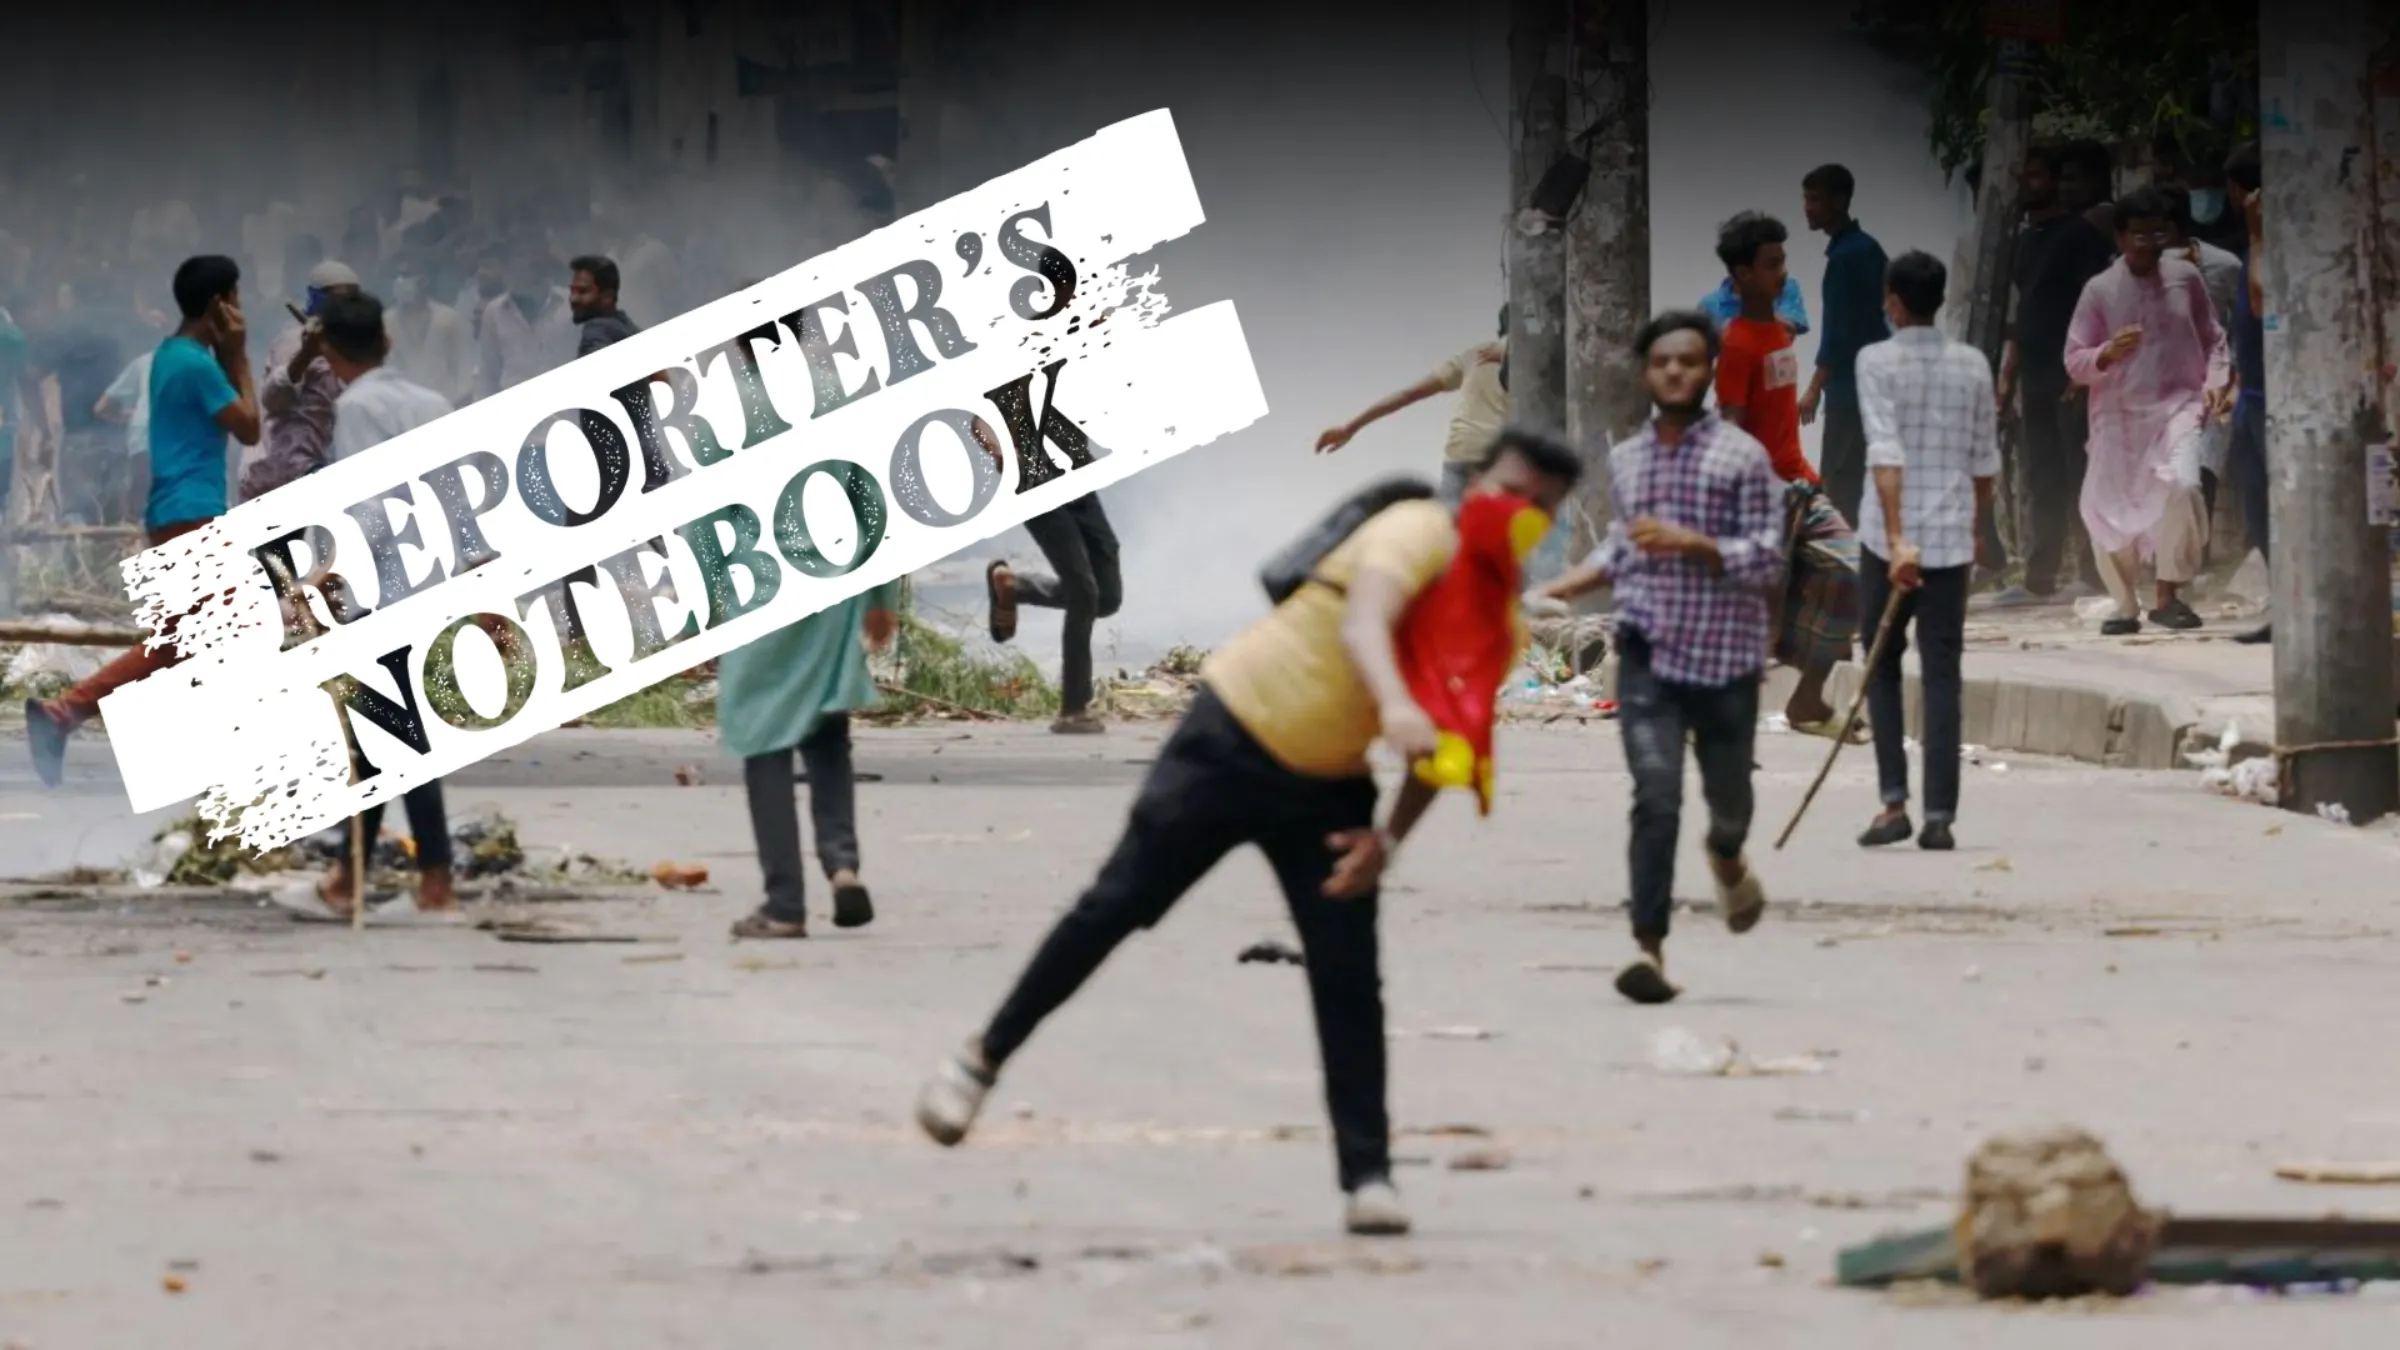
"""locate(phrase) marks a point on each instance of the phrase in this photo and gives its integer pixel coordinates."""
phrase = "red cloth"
(1457, 641)
(1759, 373)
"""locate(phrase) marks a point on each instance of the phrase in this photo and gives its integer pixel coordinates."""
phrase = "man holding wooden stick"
(1696, 550)
(1933, 447)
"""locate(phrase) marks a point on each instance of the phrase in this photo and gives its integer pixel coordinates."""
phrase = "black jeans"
(1843, 453)
(428, 824)
(2056, 429)
(775, 813)
(1085, 582)
(1655, 716)
(1938, 609)
(2246, 465)
(1213, 789)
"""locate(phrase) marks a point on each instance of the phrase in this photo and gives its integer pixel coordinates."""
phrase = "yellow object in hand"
(1452, 764)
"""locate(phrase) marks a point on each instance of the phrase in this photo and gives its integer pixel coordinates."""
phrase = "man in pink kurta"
(2146, 342)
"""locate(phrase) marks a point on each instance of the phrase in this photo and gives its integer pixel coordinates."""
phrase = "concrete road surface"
(222, 1129)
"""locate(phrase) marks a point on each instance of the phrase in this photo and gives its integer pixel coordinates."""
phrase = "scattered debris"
(1771, 1260)
(2341, 1174)
(1683, 1054)
(1458, 1034)
(173, 1284)
(679, 876)
(1271, 952)
(1450, 1132)
(1999, 864)
(1802, 1113)
(504, 968)
(265, 1155)
(689, 775)
(653, 958)
(1482, 1160)
(2047, 1214)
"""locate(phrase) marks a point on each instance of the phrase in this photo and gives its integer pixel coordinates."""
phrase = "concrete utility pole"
(2332, 554)
(1608, 247)
(1537, 258)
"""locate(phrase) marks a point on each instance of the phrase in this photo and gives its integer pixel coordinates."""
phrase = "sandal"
(1000, 585)
(1643, 982)
(1828, 729)
(760, 925)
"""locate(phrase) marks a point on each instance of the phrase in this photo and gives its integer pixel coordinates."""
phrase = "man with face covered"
(1695, 549)
(1274, 753)
(530, 330)
(297, 390)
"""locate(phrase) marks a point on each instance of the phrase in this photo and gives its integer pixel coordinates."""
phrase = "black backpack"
(1297, 564)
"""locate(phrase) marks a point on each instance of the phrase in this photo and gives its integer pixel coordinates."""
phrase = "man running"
(1695, 549)
(1274, 753)
(2145, 341)
(201, 391)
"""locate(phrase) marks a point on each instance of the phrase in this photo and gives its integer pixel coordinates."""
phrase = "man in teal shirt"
(200, 392)
(1854, 320)
(795, 688)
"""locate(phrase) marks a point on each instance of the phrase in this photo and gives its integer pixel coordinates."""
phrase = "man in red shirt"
(1758, 390)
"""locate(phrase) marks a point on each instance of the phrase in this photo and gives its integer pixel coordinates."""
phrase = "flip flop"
(1003, 595)
(1643, 982)
(1861, 734)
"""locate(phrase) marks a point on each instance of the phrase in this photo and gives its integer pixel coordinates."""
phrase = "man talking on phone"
(200, 392)
(298, 393)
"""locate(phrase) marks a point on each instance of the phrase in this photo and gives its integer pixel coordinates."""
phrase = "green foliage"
(938, 666)
(2179, 76)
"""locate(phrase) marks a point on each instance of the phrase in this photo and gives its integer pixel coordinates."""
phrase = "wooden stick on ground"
(1883, 637)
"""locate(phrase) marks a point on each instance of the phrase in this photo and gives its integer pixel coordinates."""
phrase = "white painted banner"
(675, 496)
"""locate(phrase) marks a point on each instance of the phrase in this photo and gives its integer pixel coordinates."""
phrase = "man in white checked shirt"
(1933, 448)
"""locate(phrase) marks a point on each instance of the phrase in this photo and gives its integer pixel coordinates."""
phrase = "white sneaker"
(1375, 1211)
(953, 1096)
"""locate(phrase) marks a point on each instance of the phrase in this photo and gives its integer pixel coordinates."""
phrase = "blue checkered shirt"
(1706, 626)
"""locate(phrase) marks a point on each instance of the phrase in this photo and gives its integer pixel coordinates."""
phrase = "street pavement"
(223, 1129)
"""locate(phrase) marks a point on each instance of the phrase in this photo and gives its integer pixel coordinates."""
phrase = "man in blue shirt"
(1723, 305)
(1854, 319)
(200, 391)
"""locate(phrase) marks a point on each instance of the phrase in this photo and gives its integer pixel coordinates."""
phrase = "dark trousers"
(1655, 716)
(428, 824)
(2246, 465)
(1842, 454)
(775, 813)
(2056, 429)
(1213, 789)
(1938, 609)
(1084, 581)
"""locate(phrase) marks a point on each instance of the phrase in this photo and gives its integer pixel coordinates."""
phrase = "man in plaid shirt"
(1695, 549)
(1933, 446)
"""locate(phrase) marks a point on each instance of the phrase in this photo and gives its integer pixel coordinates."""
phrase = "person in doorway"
(1758, 390)
(1085, 581)
(795, 689)
(1854, 267)
(592, 303)
(1933, 444)
(432, 344)
(299, 390)
(378, 403)
(1695, 550)
(529, 331)
(2246, 450)
(2057, 254)
(2144, 340)
(1273, 752)
(200, 392)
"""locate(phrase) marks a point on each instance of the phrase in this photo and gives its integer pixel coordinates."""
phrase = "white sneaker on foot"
(953, 1096)
(1375, 1211)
